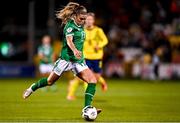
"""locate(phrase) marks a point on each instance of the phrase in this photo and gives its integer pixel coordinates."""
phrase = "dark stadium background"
(24, 22)
(141, 62)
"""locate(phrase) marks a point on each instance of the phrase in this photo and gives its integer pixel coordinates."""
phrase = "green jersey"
(47, 51)
(71, 28)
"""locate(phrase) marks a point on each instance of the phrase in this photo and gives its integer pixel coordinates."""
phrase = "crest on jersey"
(69, 29)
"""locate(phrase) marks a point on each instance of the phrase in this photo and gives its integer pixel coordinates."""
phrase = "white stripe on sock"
(89, 94)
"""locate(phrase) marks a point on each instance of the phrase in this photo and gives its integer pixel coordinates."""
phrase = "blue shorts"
(94, 65)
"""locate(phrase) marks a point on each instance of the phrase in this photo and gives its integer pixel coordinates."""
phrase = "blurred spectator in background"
(145, 18)
(46, 58)
(161, 13)
(141, 25)
(175, 8)
(156, 63)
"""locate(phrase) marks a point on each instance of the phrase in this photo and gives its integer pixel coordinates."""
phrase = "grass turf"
(125, 100)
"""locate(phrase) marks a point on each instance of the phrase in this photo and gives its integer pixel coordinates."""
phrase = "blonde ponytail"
(69, 11)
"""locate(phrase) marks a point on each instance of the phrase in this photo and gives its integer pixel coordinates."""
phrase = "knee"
(92, 79)
(50, 82)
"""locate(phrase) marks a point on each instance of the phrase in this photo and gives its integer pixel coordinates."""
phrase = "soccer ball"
(89, 113)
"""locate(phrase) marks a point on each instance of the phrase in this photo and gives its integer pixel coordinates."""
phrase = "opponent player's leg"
(41, 83)
(97, 69)
(102, 81)
(85, 86)
(72, 87)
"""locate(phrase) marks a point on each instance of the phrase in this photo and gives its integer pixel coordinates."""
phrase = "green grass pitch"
(125, 100)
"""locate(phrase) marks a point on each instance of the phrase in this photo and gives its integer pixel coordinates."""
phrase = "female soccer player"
(94, 43)
(73, 17)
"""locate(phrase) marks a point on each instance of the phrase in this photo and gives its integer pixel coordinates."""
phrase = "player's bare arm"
(70, 43)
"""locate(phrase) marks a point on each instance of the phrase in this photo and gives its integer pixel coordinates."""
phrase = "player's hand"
(77, 54)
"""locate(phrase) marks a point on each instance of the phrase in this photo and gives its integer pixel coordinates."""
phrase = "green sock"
(41, 83)
(90, 91)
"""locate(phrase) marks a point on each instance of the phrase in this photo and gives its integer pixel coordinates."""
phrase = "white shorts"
(45, 68)
(63, 65)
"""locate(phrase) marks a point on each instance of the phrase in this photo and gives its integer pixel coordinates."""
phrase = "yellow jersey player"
(94, 43)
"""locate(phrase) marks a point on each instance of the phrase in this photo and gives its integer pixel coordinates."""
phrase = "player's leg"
(54, 86)
(96, 67)
(102, 81)
(59, 67)
(88, 76)
(84, 73)
(41, 83)
(43, 70)
(45, 81)
(72, 87)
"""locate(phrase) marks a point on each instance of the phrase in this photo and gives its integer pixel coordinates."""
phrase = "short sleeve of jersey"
(69, 31)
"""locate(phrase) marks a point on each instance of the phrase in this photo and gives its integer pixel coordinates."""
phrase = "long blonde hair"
(70, 10)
